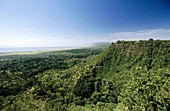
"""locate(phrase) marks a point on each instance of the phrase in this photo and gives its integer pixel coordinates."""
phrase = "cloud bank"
(163, 34)
(76, 41)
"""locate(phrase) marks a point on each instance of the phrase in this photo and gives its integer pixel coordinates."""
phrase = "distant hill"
(101, 44)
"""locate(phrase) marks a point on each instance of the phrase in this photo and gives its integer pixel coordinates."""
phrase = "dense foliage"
(128, 75)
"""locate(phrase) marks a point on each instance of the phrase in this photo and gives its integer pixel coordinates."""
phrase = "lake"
(17, 49)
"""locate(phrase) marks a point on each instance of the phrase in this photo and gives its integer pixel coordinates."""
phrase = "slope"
(135, 74)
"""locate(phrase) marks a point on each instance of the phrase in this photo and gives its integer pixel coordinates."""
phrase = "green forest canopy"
(127, 75)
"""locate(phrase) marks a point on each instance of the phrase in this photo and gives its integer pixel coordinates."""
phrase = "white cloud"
(70, 41)
(19, 42)
(163, 34)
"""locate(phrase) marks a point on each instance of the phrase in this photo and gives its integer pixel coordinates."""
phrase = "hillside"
(128, 75)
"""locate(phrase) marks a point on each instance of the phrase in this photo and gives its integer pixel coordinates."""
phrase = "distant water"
(17, 49)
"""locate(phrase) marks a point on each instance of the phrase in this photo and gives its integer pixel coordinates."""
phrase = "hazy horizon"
(75, 23)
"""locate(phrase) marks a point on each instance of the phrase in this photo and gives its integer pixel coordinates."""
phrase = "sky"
(74, 23)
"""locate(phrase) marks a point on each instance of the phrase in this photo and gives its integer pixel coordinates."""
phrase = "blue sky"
(57, 23)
